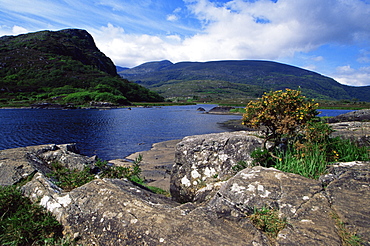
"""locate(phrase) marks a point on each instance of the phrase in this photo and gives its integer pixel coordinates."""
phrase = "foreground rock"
(202, 161)
(17, 164)
(356, 131)
(349, 196)
(302, 202)
(118, 212)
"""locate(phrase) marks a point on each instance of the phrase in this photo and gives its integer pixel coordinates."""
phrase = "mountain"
(62, 67)
(237, 79)
(120, 69)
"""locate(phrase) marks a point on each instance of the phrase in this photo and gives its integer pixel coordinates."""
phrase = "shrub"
(282, 114)
(109, 97)
(80, 97)
(301, 141)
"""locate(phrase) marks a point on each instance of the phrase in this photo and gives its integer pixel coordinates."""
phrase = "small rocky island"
(210, 201)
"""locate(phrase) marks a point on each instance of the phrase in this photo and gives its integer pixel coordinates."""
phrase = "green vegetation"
(68, 179)
(283, 114)
(62, 67)
(301, 143)
(312, 161)
(24, 223)
(268, 221)
(348, 238)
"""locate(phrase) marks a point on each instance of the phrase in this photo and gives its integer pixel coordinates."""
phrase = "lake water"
(109, 134)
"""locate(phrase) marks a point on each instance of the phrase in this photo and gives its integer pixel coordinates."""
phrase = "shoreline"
(156, 163)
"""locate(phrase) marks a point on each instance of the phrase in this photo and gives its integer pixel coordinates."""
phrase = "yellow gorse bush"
(281, 113)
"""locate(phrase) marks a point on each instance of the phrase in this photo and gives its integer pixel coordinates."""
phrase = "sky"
(330, 37)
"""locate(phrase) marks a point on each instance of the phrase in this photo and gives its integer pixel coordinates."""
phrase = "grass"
(24, 223)
(268, 221)
(313, 161)
(68, 179)
(310, 165)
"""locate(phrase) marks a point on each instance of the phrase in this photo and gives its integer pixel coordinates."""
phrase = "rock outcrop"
(356, 131)
(220, 110)
(119, 212)
(202, 161)
(116, 212)
(17, 164)
(358, 115)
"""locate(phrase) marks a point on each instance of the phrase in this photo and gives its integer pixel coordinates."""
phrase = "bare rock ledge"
(215, 199)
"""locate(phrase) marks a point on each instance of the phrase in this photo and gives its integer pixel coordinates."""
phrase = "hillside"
(62, 67)
(237, 79)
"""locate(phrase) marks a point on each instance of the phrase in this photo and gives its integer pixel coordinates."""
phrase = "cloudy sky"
(331, 37)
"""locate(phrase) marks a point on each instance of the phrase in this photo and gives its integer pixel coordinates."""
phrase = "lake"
(109, 134)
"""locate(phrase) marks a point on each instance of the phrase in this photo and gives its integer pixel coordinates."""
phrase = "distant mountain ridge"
(237, 78)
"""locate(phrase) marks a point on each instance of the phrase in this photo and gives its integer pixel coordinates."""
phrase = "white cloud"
(175, 38)
(172, 17)
(349, 76)
(15, 30)
(19, 30)
(251, 30)
(129, 49)
(288, 26)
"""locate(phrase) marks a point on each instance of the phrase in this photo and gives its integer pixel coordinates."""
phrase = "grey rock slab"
(349, 194)
(116, 212)
(301, 201)
(19, 163)
(203, 159)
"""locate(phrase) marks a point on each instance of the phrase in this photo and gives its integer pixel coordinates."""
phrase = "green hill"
(237, 79)
(62, 67)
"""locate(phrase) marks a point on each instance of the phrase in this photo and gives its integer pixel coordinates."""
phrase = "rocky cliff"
(49, 66)
(118, 212)
(27, 50)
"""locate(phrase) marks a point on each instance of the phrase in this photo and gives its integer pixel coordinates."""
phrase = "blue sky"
(331, 37)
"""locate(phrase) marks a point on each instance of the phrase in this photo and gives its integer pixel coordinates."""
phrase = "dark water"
(109, 134)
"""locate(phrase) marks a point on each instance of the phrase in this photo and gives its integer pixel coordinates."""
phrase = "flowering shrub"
(301, 141)
(282, 114)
